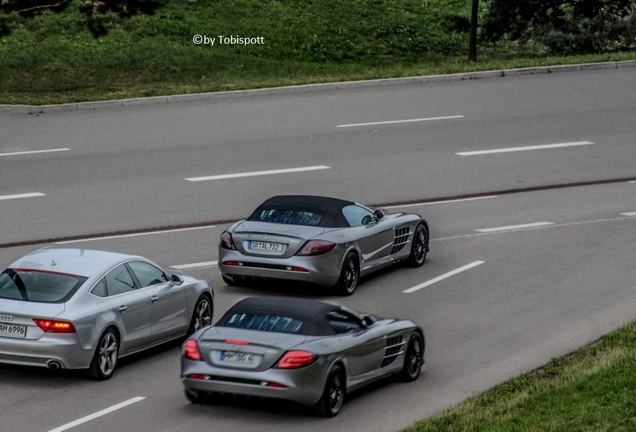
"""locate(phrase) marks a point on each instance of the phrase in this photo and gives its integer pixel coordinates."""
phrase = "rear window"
(263, 322)
(286, 216)
(38, 286)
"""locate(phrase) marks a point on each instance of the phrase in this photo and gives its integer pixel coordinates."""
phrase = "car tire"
(228, 280)
(201, 315)
(194, 396)
(332, 397)
(106, 355)
(349, 276)
(413, 359)
(419, 247)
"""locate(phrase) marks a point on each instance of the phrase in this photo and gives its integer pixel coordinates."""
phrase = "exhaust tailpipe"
(54, 365)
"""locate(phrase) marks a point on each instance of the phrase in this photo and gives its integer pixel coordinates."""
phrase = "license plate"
(12, 330)
(260, 245)
(237, 357)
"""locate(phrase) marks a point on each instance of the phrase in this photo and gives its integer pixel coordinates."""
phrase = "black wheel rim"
(335, 395)
(419, 245)
(414, 361)
(351, 275)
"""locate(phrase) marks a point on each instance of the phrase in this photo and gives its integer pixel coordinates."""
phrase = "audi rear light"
(316, 247)
(296, 359)
(226, 242)
(191, 350)
(53, 326)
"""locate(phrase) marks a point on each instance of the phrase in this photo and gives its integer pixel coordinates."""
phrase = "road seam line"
(525, 148)
(98, 414)
(514, 227)
(400, 121)
(257, 173)
(444, 276)
(24, 195)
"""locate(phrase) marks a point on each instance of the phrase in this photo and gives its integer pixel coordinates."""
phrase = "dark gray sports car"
(299, 350)
(326, 241)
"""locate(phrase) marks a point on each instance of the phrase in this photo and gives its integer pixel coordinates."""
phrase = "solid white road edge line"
(400, 121)
(136, 234)
(98, 414)
(24, 195)
(258, 173)
(439, 202)
(444, 276)
(515, 227)
(195, 265)
(28, 152)
(515, 149)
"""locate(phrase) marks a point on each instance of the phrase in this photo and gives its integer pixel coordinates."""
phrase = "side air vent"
(393, 349)
(401, 238)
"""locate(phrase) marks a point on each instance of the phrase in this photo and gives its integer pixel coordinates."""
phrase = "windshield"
(38, 286)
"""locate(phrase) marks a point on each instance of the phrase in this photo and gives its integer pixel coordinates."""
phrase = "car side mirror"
(176, 279)
(378, 214)
(367, 321)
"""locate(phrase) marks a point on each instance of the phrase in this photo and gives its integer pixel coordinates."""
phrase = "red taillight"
(296, 269)
(191, 350)
(52, 326)
(316, 247)
(226, 241)
(296, 359)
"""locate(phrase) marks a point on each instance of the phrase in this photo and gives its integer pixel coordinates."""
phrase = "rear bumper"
(322, 270)
(304, 385)
(51, 350)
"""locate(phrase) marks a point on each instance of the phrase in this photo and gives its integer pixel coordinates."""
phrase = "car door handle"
(123, 308)
(154, 298)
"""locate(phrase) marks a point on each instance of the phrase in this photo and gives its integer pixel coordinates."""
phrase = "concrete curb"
(300, 89)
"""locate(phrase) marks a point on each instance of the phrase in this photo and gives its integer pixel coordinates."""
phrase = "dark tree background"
(564, 26)
(93, 10)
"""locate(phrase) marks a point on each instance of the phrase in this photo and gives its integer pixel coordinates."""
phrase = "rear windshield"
(262, 322)
(285, 216)
(38, 286)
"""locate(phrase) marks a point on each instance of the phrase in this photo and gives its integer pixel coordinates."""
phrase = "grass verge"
(53, 58)
(589, 390)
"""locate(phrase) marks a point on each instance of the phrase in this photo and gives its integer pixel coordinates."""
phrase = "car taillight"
(316, 247)
(296, 359)
(191, 350)
(226, 241)
(52, 326)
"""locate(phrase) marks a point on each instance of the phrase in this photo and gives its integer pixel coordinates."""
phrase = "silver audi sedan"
(76, 308)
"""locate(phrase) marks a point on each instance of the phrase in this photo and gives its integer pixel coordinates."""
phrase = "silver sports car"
(299, 350)
(80, 308)
(326, 241)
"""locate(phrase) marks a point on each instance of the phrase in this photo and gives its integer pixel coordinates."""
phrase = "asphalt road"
(542, 272)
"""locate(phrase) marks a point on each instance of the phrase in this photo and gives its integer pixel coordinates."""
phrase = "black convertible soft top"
(312, 313)
(330, 209)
